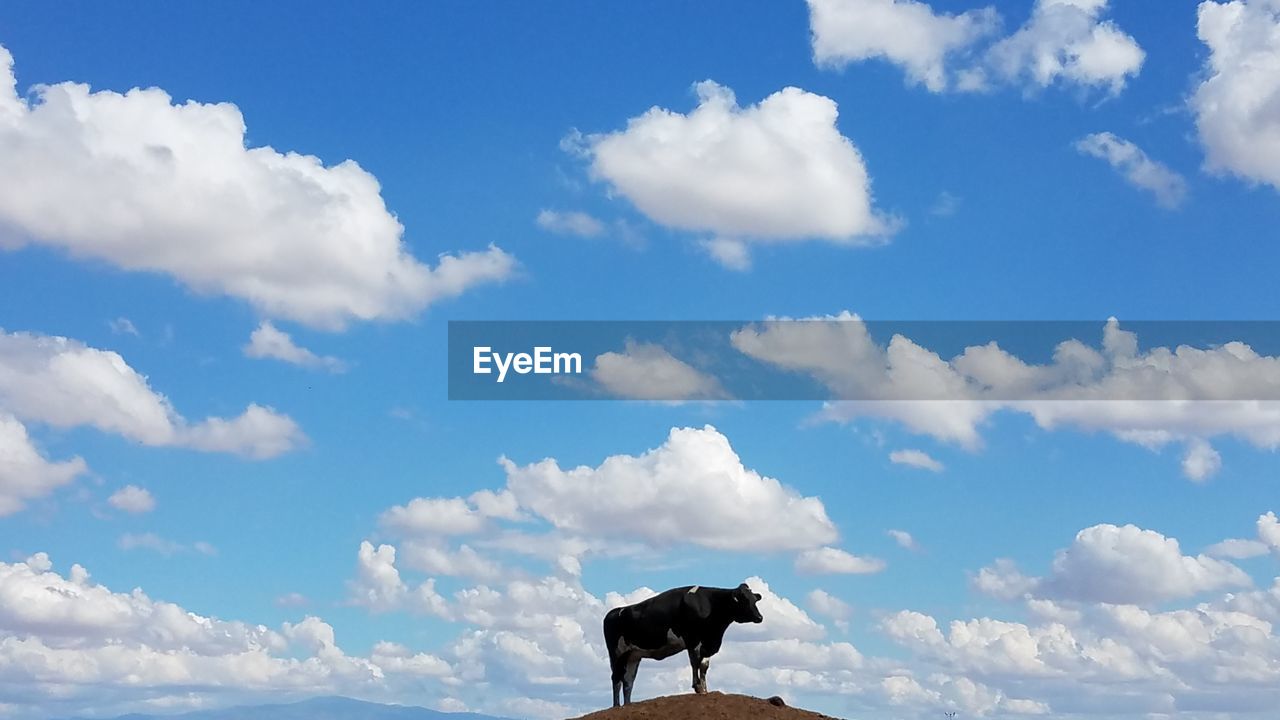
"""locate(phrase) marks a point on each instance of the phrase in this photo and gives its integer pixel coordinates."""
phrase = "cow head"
(744, 605)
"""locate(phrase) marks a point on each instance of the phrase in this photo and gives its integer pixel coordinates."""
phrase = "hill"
(328, 708)
(712, 706)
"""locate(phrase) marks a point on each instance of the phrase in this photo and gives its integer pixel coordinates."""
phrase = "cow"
(691, 618)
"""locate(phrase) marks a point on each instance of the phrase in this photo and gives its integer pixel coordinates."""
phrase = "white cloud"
(1118, 565)
(132, 499)
(539, 638)
(123, 326)
(1201, 461)
(1269, 531)
(572, 222)
(398, 658)
(916, 459)
(946, 205)
(25, 473)
(1237, 549)
(1064, 41)
(644, 371)
(292, 600)
(163, 546)
(1237, 106)
(829, 606)
(1268, 540)
(379, 587)
(832, 561)
(729, 252)
(79, 647)
(692, 489)
(840, 353)
(1067, 41)
(1151, 397)
(1004, 581)
(1093, 656)
(450, 516)
(268, 341)
(148, 185)
(785, 621)
(779, 171)
(1168, 187)
(941, 693)
(63, 383)
(434, 559)
(904, 539)
(905, 32)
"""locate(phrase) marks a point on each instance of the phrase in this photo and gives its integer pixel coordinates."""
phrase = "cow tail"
(613, 633)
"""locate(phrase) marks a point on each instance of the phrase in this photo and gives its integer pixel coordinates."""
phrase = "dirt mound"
(712, 706)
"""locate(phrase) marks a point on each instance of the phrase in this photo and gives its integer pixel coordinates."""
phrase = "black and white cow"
(686, 618)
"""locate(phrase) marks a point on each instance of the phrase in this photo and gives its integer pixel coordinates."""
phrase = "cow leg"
(618, 670)
(702, 672)
(695, 664)
(629, 679)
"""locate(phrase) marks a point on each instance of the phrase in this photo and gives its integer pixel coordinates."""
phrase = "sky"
(233, 236)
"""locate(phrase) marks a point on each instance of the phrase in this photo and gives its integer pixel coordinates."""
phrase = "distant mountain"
(327, 708)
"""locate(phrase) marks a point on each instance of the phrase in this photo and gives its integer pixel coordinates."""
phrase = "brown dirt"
(712, 706)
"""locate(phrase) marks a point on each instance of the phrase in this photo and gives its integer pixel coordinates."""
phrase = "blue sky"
(223, 366)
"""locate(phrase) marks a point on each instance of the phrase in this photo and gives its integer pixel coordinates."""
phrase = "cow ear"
(758, 596)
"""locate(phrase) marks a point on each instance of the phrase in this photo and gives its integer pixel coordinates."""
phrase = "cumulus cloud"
(829, 606)
(644, 371)
(1064, 41)
(379, 587)
(1004, 581)
(1097, 653)
(916, 459)
(1068, 41)
(1118, 565)
(779, 171)
(1201, 461)
(268, 341)
(64, 383)
(1140, 171)
(1090, 641)
(949, 694)
(1267, 540)
(907, 33)
(436, 559)
(692, 489)
(145, 184)
(1152, 397)
(1237, 106)
(132, 499)
(25, 473)
(450, 516)
(832, 561)
(69, 645)
(570, 222)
